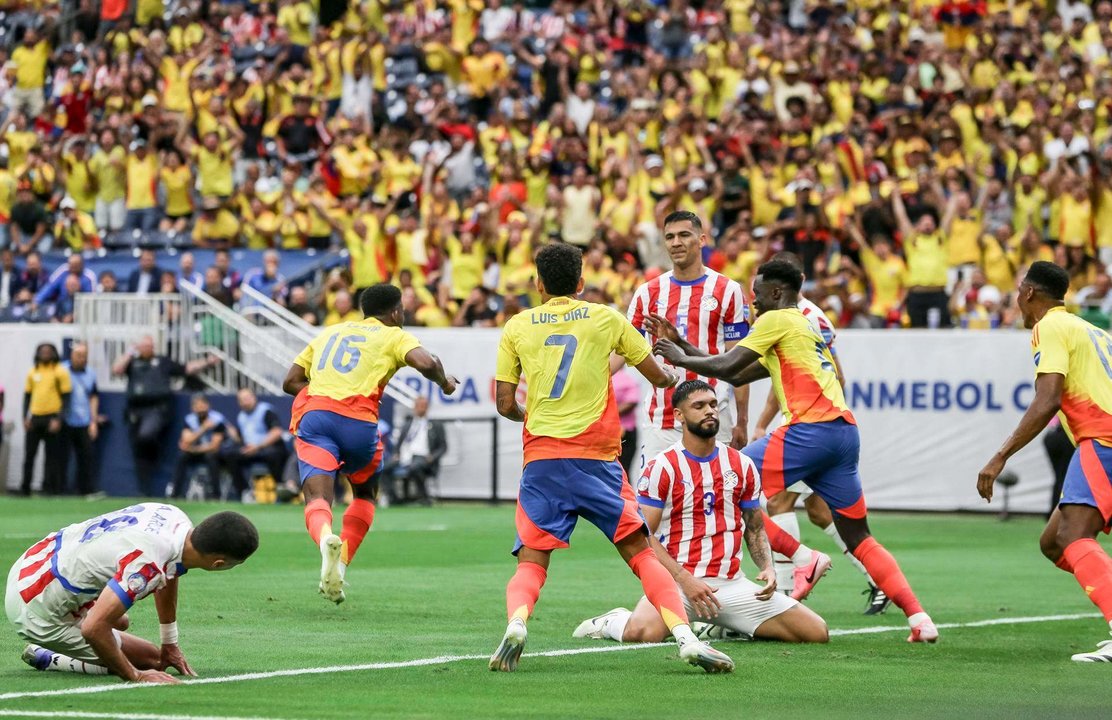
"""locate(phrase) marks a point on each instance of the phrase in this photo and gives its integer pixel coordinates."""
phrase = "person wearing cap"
(74, 228)
(142, 186)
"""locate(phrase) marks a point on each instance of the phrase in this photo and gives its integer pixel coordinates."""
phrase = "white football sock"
(615, 625)
(64, 663)
(684, 635)
(913, 620)
(832, 531)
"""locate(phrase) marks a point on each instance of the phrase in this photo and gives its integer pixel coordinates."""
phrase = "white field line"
(446, 659)
(116, 716)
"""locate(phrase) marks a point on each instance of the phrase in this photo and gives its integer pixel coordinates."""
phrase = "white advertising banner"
(932, 408)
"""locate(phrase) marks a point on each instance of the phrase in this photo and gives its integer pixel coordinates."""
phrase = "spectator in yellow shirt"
(483, 71)
(142, 189)
(75, 229)
(177, 187)
(217, 227)
(30, 60)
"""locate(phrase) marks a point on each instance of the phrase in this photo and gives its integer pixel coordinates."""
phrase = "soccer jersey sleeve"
(1052, 353)
(405, 344)
(655, 484)
(750, 496)
(631, 344)
(636, 313)
(508, 368)
(305, 358)
(766, 332)
(138, 575)
(735, 324)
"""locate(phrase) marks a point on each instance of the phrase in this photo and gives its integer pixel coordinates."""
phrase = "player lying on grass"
(700, 497)
(819, 443)
(572, 440)
(1073, 375)
(69, 593)
(338, 381)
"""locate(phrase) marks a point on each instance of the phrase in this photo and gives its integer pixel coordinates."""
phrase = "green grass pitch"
(429, 583)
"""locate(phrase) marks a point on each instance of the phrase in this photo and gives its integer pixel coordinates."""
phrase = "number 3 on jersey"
(569, 343)
(346, 357)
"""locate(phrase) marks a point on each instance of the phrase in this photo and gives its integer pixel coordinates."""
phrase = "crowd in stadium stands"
(916, 154)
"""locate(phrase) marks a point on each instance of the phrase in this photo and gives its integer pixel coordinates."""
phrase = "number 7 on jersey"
(569, 343)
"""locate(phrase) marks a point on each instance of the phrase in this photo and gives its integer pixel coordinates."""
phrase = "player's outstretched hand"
(701, 596)
(658, 326)
(173, 658)
(987, 477)
(768, 577)
(668, 350)
(449, 386)
(157, 677)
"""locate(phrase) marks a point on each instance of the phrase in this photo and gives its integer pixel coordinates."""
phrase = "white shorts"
(110, 216)
(654, 440)
(60, 635)
(741, 611)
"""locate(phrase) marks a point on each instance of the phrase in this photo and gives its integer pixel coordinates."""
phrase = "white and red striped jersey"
(708, 312)
(702, 499)
(133, 551)
(818, 319)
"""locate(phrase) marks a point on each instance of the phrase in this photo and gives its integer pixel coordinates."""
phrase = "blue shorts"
(1087, 480)
(556, 493)
(823, 455)
(327, 442)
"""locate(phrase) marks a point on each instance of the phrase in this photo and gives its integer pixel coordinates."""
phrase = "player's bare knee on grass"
(800, 624)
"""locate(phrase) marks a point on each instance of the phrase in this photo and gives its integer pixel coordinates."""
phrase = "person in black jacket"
(420, 444)
(147, 277)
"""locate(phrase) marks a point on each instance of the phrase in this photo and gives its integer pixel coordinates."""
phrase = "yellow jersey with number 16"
(1065, 344)
(801, 367)
(562, 348)
(348, 366)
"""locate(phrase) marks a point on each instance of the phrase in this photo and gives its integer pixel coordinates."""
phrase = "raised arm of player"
(655, 373)
(757, 542)
(733, 366)
(97, 628)
(430, 366)
(1047, 402)
(698, 592)
(166, 603)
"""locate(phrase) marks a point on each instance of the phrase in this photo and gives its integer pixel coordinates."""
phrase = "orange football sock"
(1064, 564)
(659, 587)
(778, 538)
(885, 571)
(1093, 569)
(523, 590)
(357, 522)
(318, 516)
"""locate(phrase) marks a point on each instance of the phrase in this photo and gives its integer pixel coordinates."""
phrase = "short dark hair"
(782, 271)
(790, 258)
(686, 389)
(681, 216)
(560, 266)
(379, 299)
(226, 533)
(1050, 279)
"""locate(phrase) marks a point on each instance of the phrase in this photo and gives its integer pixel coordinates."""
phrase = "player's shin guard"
(523, 590)
(357, 522)
(885, 571)
(318, 519)
(659, 587)
(1093, 569)
(832, 531)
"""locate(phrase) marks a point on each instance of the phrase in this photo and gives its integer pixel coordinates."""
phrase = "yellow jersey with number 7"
(800, 365)
(562, 349)
(1065, 344)
(348, 366)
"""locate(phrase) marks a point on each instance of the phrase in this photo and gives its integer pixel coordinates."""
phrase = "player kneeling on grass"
(70, 592)
(699, 497)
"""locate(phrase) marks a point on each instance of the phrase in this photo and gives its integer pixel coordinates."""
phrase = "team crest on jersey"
(729, 479)
(136, 583)
(643, 484)
(709, 302)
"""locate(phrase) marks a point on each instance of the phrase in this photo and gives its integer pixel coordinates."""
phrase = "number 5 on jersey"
(569, 343)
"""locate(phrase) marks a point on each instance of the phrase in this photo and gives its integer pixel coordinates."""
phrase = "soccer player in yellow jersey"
(1073, 377)
(818, 442)
(338, 381)
(572, 440)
